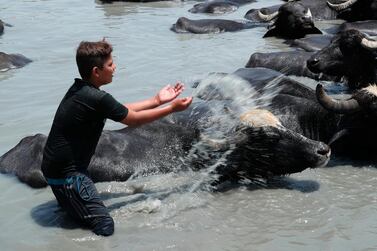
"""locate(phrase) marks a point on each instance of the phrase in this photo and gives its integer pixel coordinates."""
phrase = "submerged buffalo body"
(202, 26)
(350, 55)
(312, 43)
(1, 27)
(288, 62)
(11, 61)
(136, 1)
(368, 27)
(119, 154)
(218, 6)
(256, 145)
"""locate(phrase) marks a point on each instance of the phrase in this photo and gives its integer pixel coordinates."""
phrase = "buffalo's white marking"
(259, 118)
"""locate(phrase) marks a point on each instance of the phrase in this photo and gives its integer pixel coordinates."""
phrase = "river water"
(330, 208)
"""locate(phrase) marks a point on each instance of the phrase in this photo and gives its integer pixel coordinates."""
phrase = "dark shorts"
(78, 196)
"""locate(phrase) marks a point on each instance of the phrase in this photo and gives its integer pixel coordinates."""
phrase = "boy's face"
(105, 75)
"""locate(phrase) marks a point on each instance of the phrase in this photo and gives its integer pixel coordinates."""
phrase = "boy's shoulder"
(86, 90)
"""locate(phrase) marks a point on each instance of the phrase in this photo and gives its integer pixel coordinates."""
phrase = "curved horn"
(341, 6)
(369, 44)
(337, 106)
(268, 17)
(338, 135)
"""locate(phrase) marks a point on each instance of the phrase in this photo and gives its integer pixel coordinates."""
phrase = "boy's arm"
(143, 105)
(165, 95)
(136, 118)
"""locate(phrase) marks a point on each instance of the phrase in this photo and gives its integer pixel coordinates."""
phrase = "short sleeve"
(112, 109)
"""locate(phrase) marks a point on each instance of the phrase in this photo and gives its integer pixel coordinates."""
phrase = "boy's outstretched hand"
(181, 104)
(168, 93)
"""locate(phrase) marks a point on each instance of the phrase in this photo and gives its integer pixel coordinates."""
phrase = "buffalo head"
(292, 20)
(356, 134)
(267, 148)
(351, 55)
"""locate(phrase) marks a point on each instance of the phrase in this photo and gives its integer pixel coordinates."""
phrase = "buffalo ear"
(271, 33)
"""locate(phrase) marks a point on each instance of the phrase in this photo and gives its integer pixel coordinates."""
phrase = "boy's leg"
(81, 200)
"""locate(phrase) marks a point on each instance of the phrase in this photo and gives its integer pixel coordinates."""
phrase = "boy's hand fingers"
(178, 87)
(187, 100)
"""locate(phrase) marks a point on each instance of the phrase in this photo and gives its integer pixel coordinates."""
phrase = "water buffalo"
(202, 26)
(219, 6)
(351, 55)
(136, 1)
(357, 121)
(319, 9)
(348, 126)
(368, 27)
(11, 61)
(311, 43)
(1, 27)
(287, 62)
(253, 144)
(292, 20)
(355, 10)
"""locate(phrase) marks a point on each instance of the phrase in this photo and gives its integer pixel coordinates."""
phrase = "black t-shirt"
(76, 129)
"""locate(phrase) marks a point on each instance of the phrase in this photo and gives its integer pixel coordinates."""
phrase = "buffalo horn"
(268, 17)
(341, 6)
(369, 44)
(338, 135)
(337, 106)
(308, 14)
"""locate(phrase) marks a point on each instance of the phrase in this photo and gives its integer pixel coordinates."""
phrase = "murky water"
(331, 208)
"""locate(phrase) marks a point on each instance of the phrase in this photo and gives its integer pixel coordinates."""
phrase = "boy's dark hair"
(90, 55)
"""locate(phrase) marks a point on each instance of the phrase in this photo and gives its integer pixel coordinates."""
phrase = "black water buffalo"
(350, 55)
(355, 10)
(287, 62)
(218, 6)
(253, 144)
(1, 27)
(311, 43)
(348, 126)
(319, 9)
(368, 27)
(11, 61)
(135, 145)
(356, 127)
(292, 20)
(136, 1)
(202, 26)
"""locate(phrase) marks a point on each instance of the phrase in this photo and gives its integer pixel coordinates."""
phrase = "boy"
(78, 124)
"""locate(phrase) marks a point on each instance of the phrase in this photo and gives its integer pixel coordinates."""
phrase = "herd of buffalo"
(298, 128)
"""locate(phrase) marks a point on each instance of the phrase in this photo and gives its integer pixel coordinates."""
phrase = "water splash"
(227, 97)
(218, 130)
